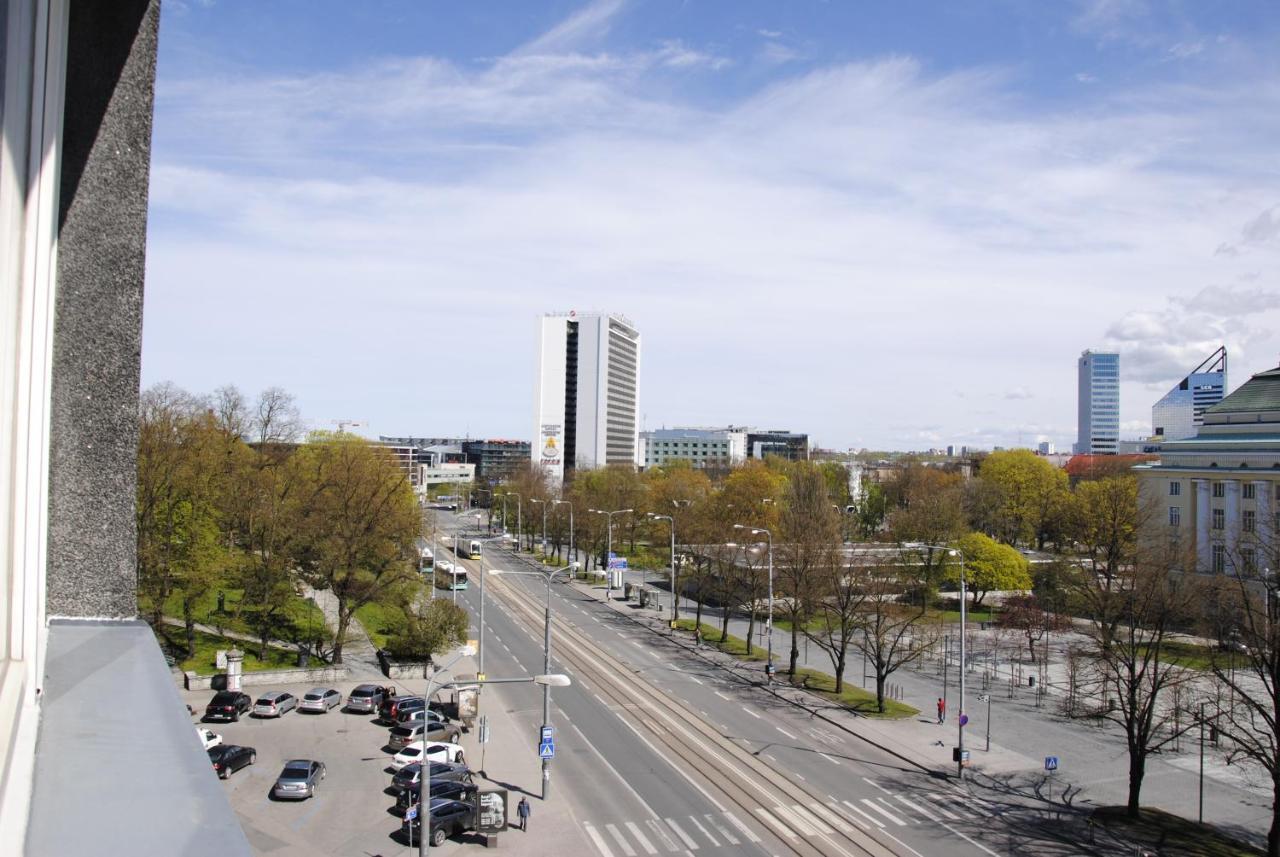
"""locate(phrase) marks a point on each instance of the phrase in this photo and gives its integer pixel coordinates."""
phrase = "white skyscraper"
(1181, 411)
(586, 396)
(1099, 403)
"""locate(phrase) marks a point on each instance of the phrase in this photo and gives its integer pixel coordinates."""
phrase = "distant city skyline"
(821, 216)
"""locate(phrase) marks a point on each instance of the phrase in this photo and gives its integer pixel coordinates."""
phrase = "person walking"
(523, 811)
(697, 637)
(942, 709)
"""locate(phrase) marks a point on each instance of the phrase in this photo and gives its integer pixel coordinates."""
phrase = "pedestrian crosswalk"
(786, 821)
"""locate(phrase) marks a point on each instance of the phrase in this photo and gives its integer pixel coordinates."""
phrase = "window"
(1219, 519)
(1248, 490)
(1175, 516)
(1175, 488)
(1248, 524)
(1219, 558)
(1248, 560)
(1219, 489)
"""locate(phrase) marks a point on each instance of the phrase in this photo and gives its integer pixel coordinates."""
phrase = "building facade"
(1215, 497)
(1098, 403)
(783, 443)
(586, 393)
(1181, 412)
(701, 447)
(496, 460)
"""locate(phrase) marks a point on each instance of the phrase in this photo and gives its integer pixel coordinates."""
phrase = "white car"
(444, 566)
(435, 752)
(320, 699)
(208, 737)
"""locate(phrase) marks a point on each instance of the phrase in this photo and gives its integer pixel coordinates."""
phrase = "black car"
(409, 775)
(228, 705)
(227, 758)
(390, 708)
(439, 789)
(448, 817)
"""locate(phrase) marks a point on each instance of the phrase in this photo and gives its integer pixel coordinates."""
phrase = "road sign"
(547, 750)
(483, 734)
(1051, 763)
(617, 562)
(548, 734)
(964, 720)
(411, 813)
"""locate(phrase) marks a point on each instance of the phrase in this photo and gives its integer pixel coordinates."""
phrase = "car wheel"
(253, 757)
(438, 837)
(235, 717)
(224, 773)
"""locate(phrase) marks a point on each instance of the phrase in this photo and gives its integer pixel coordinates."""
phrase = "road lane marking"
(725, 832)
(622, 843)
(785, 732)
(785, 813)
(840, 811)
(598, 840)
(640, 837)
(684, 837)
(877, 822)
(910, 819)
(782, 828)
(753, 714)
(811, 819)
(878, 808)
(698, 824)
(937, 804)
(662, 835)
(970, 841)
(830, 759)
(822, 812)
(723, 696)
(918, 808)
(874, 784)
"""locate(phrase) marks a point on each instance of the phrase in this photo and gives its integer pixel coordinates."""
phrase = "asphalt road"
(623, 791)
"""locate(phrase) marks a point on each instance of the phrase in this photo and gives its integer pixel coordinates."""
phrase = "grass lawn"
(1191, 656)
(1170, 835)
(986, 614)
(207, 646)
(380, 621)
(854, 698)
(299, 615)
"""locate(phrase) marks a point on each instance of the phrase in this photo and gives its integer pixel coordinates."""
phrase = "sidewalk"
(359, 654)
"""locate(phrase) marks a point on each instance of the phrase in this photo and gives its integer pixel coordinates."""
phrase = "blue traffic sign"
(547, 750)
(548, 733)
(1051, 763)
(411, 813)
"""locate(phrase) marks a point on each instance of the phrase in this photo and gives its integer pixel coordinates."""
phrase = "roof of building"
(1259, 393)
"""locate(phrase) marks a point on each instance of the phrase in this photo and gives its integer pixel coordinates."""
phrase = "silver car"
(298, 779)
(320, 699)
(403, 736)
(366, 698)
(274, 703)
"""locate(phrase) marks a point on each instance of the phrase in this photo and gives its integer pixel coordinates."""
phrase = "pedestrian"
(523, 810)
(697, 637)
(942, 709)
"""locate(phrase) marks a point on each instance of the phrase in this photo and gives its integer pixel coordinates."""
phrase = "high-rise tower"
(1099, 403)
(1181, 411)
(586, 395)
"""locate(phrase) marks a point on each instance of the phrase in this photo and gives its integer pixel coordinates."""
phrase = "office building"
(586, 394)
(702, 447)
(1099, 403)
(1181, 412)
(496, 460)
(1046, 447)
(782, 443)
(1215, 496)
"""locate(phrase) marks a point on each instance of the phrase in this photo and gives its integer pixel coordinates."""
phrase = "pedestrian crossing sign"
(546, 750)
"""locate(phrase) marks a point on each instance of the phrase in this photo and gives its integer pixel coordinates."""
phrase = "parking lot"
(352, 811)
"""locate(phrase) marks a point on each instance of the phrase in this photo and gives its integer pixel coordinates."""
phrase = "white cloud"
(589, 24)
(1085, 77)
(770, 34)
(1019, 393)
(1186, 50)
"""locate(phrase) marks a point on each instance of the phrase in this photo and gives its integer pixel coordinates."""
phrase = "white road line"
(640, 837)
(822, 812)
(599, 700)
(811, 819)
(830, 759)
(742, 828)
(785, 732)
(723, 696)
(680, 770)
(622, 843)
(753, 714)
(877, 822)
(684, 837)
(878, 808)
(785, 813)
(970, 841)
(801, 777)
(782, 828)
(874, 784)
(661, 835)
(843, 813)
(598, 840)
(698, 824)
(910, 818)
(918, 808)
(637, 645)
(695, 679)
(967, 804)
(937, 804)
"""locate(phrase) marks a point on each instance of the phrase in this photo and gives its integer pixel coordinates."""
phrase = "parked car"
(298, 779)
(402, 736)
(433, 753)
(227, 758)
(413, 715)
(410, 775)
(320, 699)
(366, 698)
(391, 706)
(274, 703)
(228, 705)
(208, 737)
(448, 818)
(448, 789)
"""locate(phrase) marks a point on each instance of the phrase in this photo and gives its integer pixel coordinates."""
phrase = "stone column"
(1232, 534)
(1264, 501)
(235, 662)
(1203, 561)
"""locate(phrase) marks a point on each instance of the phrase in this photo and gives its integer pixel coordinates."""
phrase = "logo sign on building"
(551, 444)
(491, 811)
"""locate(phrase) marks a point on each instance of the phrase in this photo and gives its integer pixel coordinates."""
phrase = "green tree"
(989, 567)
(809, 533)
(435, 627)
(1032, 490)
(1104, 522)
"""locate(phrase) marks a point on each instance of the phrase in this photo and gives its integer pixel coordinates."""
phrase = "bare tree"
(231, 410)
(809, 531)
(842, 591)
(276, 418)
(891, 633)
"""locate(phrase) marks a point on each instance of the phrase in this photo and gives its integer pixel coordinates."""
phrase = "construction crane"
(343, 425)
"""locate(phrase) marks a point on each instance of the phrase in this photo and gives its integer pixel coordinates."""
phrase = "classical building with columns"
(1216, 495)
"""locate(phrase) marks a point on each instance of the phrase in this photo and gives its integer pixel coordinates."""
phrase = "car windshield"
(409, 752)
(312, 697)
(410, 772)
(224, 698)
(267, 700)
(360, 691)
(402, 731)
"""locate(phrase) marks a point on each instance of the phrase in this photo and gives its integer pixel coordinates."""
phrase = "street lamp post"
(608, 551)
(424, 786)
(758, 531)
(424, 783)
(480, 657)
(543, 504)
(960, 716)
(573, 556)
(675, 612)
(546, 656)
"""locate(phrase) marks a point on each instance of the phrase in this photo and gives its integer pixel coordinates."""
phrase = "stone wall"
(269, 678)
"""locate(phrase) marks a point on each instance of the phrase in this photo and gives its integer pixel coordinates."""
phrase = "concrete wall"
(269, 678)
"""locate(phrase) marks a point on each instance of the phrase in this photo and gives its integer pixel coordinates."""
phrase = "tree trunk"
(1137, 770)
(795, 645)
(880, 677)
(697, 616)
(1031, 647)
(840, 662)
(751, 629)
(190, 623)
(724, 624)
(1273, 834)
(344, 621)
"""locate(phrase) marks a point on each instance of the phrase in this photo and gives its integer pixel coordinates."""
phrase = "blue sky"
(892, 225)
